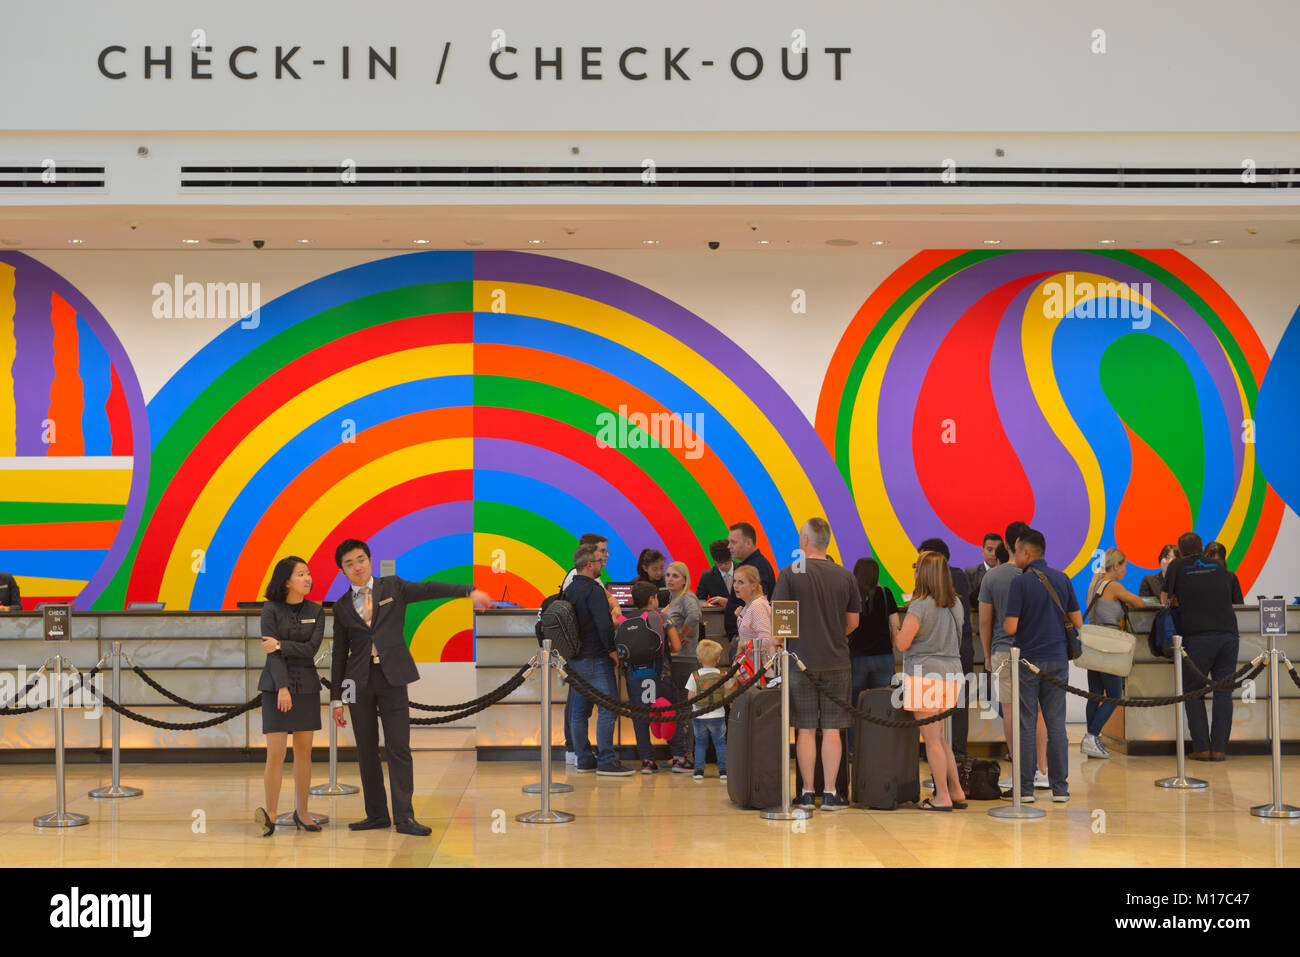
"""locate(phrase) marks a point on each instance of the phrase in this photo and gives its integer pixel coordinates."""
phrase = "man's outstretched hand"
(481, 599)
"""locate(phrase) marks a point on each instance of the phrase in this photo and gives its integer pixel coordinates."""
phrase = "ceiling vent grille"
(53, 177)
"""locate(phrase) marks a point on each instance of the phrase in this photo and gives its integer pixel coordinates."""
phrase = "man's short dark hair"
(934, 545)
(991, 537)
(642, 592)
(745, 529)
(1002, 554)
(591, 538)
(583, 556)
(349, 545)
(1216, 552)
(719, 551)
(1034, 539)
(1013, 533)
(1189, 543)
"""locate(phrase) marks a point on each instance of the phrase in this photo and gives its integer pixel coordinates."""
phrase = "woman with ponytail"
(1105, 602)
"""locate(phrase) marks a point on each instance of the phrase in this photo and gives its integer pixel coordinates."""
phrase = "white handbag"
(1108, 650)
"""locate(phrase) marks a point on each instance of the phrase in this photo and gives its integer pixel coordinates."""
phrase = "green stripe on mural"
(660, 465)
(40, 513)
(417, 611)
(171, 450)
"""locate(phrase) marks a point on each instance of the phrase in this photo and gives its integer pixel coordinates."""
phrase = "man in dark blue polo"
(1037, 624)
(1202, 588)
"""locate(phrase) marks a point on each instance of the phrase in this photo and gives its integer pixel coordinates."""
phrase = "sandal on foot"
(928, 805)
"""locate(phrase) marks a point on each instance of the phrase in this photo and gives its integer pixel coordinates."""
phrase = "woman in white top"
(754, 618)
(1104, 605)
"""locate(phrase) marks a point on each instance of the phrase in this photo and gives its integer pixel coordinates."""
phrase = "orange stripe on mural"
(66, 402)
(1266, 529)
(496, 583)
(572, 375)
(323, 474)
(59, 535)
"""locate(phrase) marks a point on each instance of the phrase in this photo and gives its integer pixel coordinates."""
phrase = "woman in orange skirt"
(930, 640)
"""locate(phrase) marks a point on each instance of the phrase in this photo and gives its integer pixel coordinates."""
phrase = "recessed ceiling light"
(765, 242)
(76, 242)
(1185, 242)
(1214, 242)
(537, 242)
(224, 241)
(1106, 242)
(11, 242)
(992, 242)
(421, 242)
(649, 242)
(474, 242)
(1293, 242)
(306, 241)
(841, 242)
(880, 242)
(190, 242)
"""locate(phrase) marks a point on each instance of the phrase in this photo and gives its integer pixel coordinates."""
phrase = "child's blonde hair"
(708, 652)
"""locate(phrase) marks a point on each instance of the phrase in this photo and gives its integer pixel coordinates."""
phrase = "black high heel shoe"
(264, 819)
(303, 825)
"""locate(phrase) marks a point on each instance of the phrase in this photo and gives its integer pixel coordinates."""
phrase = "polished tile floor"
(201, 816)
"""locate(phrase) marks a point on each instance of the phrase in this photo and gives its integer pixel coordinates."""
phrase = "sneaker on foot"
(807, 800)
(617, 769)
(1010, 795)
(649, 767)
(1060, 798)
(1091, 746)
(1005, 783)
(697, 774)
(722, 775)
(833, 802)
(570, 758)
(682, 765)
(584, 767)
(1041, 783)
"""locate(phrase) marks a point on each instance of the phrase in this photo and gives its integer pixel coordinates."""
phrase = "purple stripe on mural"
(34, 363)
(632, 529)
(698, 335)
(412, 529)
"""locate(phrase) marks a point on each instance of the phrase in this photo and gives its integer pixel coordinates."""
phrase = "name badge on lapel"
(385, 601)
(308, 621)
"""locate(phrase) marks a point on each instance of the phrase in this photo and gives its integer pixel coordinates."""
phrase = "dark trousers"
(381, 701)
(683, 742)
(961, 719)
(1216, 656)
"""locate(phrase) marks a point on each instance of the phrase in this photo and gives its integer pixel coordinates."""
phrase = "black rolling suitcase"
(886, 761)
(819, 785)
(754, 753)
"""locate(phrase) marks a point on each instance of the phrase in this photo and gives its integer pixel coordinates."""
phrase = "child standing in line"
(704, 682)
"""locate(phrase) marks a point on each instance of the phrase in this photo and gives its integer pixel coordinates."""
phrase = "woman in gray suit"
(292, 629)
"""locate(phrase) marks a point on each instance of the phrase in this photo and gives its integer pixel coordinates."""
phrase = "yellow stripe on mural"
(640, 336)
(439, 627)
(534, 566)
(278, 428)
(31, 586)
(110, 486)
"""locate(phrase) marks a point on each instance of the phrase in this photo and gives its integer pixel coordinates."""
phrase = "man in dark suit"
(371, 668)
(716, 582)
(975, 574)
(742, 542)
(10, 600)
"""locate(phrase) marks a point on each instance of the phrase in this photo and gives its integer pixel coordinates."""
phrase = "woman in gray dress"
(292, 629)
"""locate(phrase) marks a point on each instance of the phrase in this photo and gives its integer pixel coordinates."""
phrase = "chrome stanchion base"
(544, 817)
(1021, 813)
(557, 787)
(782, 814)
(330, 790)
(1275, 810)
(286, 819)
(66, 819)
(116, 791)
(1182, 784)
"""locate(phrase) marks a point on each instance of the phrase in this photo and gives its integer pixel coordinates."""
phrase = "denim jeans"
(869, 671)
(706, 728)
(1216, 656)
(1112, 686)
(599, 673)
(1036, 693)
(642, 690)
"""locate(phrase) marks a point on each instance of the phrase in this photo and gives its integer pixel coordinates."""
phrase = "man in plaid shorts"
(829, 603)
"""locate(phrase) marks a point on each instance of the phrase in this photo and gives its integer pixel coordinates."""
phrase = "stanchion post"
(333, 788)
(115, 789)
(61, 816)
(1180, 781)
(545, 815)
(556, 787)
(1017, 811)
(785, 812)
(1277, 809)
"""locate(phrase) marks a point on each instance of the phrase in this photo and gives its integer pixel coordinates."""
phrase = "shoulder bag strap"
(1069, 625)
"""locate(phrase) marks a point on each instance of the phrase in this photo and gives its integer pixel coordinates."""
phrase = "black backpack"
(639, 640)
(557, 621)
(1160, 642)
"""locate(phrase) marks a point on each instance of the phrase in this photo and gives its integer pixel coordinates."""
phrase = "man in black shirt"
(10, 600)
(1201, 588)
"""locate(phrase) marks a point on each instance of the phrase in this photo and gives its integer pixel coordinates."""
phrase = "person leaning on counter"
(10, 600)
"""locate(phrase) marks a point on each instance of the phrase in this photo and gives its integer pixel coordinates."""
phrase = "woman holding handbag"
(1108, 602)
